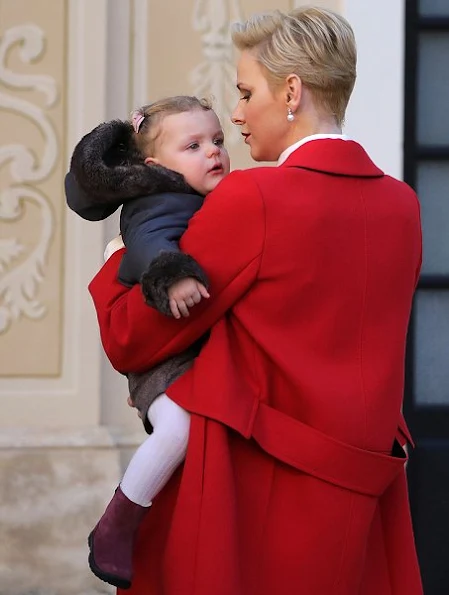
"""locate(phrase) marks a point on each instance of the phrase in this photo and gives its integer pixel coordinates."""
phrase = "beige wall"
(31, 169)
(52, 56)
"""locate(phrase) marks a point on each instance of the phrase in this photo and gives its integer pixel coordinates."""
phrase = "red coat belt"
(322, 456)
(309, 450)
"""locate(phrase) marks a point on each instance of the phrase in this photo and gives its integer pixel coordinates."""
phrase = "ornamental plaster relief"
(22, 269)
(193, 54)
(33, 58)
(214, 76)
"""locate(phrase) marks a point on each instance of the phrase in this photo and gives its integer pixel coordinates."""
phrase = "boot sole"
(111, 579)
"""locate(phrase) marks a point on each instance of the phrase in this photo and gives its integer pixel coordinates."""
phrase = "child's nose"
(213, 150)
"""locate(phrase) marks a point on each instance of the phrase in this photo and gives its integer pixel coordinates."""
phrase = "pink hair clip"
(137, 118)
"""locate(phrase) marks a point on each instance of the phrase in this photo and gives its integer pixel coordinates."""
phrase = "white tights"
(156, 459)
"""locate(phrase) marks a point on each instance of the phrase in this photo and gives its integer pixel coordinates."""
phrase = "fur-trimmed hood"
(107, 170)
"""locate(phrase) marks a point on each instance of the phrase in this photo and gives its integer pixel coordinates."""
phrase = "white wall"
(376, 111)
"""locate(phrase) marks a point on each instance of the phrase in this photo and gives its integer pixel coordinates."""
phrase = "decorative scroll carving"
(22, 268)
(215, 76)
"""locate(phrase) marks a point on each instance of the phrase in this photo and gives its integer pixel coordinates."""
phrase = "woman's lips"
(246, 136)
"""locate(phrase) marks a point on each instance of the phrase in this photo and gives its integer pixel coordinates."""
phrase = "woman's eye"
(245, 97)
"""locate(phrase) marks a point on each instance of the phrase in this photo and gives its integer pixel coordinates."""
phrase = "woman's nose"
(237, 116)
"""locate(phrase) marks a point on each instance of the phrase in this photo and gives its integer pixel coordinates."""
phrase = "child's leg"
(157, 458)
(111, 543)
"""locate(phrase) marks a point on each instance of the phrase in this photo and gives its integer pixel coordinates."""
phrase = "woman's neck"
(309, 121)
(315, 126)
(301, 133)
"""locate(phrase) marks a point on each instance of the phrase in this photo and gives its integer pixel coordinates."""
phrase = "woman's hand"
(184, 294)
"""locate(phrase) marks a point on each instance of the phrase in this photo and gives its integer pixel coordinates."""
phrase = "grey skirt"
(145, 387)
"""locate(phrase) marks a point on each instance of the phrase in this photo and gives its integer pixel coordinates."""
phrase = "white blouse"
(289, 150)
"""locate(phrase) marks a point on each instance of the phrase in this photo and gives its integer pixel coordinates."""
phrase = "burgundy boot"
(111, 543)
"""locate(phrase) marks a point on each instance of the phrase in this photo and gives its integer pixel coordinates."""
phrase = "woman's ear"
(293, 90)
(151, 161)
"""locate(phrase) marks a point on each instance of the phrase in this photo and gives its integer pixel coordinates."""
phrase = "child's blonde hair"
(146, 120)
(316, 44)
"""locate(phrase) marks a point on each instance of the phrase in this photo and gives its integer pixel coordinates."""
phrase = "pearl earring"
(290, 116)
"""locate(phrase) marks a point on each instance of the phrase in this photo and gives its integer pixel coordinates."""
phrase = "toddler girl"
(159, 167)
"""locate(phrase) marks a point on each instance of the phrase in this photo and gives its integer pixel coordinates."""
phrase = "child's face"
(191, 143)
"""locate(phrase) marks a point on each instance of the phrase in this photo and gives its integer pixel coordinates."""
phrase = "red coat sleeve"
(226, 237)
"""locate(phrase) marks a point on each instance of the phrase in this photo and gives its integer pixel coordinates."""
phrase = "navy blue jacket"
(149, 225)
(107, 172)
(156, 203)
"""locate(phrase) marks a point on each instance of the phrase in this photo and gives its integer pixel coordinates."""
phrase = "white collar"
(292, 148)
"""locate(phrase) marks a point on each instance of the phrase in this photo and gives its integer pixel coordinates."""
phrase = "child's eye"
(193, 146)
(219, 142)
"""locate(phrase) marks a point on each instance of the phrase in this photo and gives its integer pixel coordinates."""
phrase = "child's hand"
(184, 294)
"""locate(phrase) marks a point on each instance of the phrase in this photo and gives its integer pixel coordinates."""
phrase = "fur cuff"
(164, 270)
(109, 168)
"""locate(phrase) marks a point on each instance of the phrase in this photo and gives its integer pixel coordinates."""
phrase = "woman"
(294, 478)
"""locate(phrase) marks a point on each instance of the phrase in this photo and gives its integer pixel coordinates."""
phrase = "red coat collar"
(334, 156)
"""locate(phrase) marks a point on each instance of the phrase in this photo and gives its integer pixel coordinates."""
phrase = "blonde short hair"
(151, 116)
(316, 44)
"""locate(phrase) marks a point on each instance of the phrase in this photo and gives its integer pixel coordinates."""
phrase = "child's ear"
(151, 161)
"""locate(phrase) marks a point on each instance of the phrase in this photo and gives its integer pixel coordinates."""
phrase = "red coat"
(313, 266)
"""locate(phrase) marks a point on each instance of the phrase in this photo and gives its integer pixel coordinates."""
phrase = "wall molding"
(214, 76)
(73, 398)
(23, 271)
